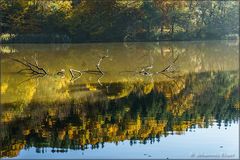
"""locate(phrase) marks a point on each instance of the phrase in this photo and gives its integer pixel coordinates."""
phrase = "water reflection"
(55, 112)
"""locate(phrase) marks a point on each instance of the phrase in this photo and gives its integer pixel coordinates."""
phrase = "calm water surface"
(126, 100)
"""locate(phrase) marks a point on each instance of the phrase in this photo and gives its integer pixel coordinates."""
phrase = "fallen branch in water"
(170, 66)
(99, 80)
(30, 67)
(145, 71)
(74, 77)
(99, 63)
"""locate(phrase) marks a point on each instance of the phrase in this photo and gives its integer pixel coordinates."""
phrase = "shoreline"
(9, 38)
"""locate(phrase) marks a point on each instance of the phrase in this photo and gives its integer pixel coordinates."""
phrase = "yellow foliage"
(52, 112)
(6, 36)
(179, 128)
(130, 4)
(12, 150)
(90, 87)
(148, 88)
(7, 117)
(61, 135)
(4, 87)
(26, 132)
(25, 92)
(45, 134)
(237, 105)
(6, 49)
(113, 129)
(50, 123)
(60, 5)
(123, 92)
(53, 89)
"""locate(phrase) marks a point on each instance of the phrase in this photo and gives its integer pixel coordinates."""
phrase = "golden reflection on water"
(55, 111)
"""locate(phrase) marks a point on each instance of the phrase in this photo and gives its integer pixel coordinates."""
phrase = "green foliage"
(115, 20)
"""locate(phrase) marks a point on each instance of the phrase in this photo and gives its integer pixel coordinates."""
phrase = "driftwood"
(35, 70)
(99, 63)
(99, 80)
(145, 71)
(98, 71)
(31, 68)
(170, 66)
(80, 73)
(74, 70)
(74, 77)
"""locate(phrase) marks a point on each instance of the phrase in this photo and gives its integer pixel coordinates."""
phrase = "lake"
(120, 100)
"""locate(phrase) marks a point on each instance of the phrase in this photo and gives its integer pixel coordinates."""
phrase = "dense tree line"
(117, 20)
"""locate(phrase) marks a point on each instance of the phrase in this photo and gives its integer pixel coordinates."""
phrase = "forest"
(69, 21)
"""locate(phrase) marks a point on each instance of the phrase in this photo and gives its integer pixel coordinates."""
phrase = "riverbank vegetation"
(116, 20)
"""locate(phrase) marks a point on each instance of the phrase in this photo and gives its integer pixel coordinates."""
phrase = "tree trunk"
(161, 28)
(172, 28)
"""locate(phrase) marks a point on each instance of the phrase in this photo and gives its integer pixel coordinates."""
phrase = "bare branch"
(26, 69)
(35, 59)
(91, 71)
(74, 77)
(145, 71)
(35, 69)
(99, 63)
(99, 80)
(166, 69)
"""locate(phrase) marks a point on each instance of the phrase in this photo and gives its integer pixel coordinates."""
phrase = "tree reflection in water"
(88, 115)
(53, 111)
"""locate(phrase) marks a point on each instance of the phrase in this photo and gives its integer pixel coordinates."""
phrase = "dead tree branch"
(35, 59)
(146, 71)
(99, 63)
(32, 68)
(99, 80)
(74, 77)
(170, 66)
